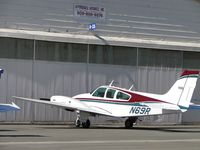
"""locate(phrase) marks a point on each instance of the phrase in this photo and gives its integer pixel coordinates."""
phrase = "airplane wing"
(69, 104)
(8, 107)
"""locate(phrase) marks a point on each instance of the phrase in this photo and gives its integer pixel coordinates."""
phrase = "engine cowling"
(69, 103)
(59, 99)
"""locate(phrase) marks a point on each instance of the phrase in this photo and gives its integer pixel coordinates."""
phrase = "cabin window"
(99, 92)
(123, 96)
(110, 93)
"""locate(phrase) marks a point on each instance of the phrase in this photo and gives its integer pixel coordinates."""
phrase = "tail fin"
(182, 90)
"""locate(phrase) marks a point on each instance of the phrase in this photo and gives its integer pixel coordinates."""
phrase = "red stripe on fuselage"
(189, 72)
(140, 98)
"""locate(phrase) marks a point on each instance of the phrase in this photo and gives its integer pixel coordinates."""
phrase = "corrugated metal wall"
(44, 79)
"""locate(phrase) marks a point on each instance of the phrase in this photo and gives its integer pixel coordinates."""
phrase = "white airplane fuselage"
(124, 108)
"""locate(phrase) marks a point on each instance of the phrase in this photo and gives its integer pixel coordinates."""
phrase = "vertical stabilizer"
(182, 90)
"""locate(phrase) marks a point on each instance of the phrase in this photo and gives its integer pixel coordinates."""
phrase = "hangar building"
(66, 47)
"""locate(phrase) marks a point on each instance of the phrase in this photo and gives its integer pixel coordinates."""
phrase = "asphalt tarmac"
(62, 137)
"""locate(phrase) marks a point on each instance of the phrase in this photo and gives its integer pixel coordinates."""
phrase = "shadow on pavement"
(24, 135)
(2, 130)
(183, 129)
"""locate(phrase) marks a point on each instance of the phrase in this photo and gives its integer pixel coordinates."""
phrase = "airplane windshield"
(99, 92)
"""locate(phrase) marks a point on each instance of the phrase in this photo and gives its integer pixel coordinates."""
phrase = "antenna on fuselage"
(111, 83)
(132, 86)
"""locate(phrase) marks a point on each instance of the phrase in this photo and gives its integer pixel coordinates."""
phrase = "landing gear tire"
(128, 124)
(86, 124)
(77, 123)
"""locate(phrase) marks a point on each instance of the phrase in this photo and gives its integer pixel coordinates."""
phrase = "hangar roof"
(167, 24)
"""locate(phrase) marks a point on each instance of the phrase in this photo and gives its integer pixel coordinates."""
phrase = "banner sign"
(95, 12)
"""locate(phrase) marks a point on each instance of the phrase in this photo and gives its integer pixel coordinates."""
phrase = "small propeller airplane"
(7, 107)
(113, 101)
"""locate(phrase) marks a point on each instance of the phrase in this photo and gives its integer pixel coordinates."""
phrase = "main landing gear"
(85, 124)
(82, 120)
(130, 121)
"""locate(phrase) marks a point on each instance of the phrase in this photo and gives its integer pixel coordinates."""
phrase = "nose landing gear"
(84, 124)
(77, 123)
(82, 120)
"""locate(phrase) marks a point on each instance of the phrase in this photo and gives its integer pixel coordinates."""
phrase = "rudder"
(190, 78)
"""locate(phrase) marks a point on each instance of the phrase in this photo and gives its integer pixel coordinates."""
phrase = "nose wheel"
(85, 124)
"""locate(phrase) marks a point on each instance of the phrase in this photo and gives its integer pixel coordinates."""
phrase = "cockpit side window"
(123, 96)
(110, 93)
(99, 92)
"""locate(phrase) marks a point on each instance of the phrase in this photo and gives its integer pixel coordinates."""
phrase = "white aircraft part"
(186, 96)
(179, 94)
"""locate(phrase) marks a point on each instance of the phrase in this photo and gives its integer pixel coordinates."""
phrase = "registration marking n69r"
(140, 110)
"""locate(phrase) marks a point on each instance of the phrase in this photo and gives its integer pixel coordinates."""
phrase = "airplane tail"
(182, 90)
